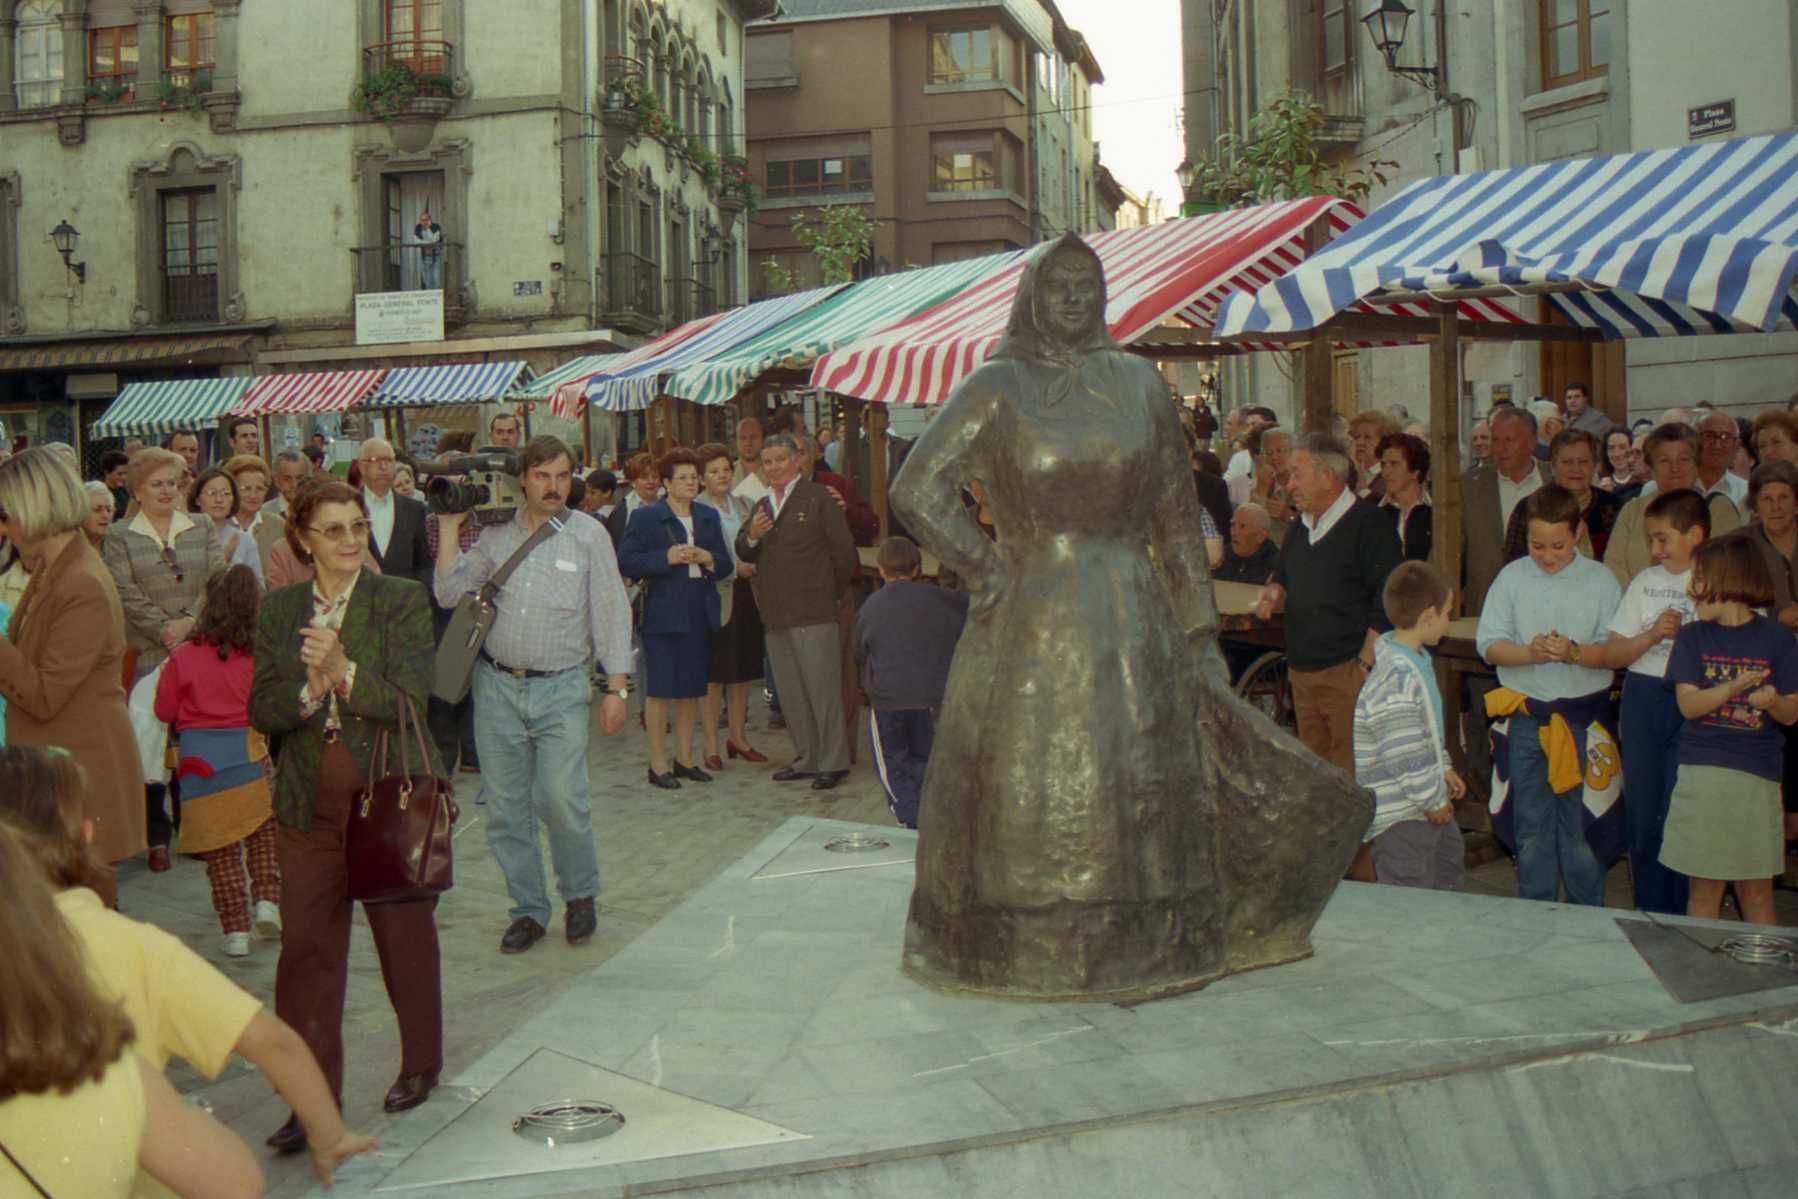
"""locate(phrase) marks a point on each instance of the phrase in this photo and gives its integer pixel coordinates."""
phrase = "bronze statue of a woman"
(1101, 817)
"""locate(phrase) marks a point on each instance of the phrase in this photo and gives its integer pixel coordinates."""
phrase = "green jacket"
(387, 633)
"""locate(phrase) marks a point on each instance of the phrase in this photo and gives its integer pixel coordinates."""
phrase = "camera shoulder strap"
(543, 532)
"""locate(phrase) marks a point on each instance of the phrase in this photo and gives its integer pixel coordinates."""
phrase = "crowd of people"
(1666, 552)
(199, 661)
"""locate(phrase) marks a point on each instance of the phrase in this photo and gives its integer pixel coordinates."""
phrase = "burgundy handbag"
(398, 840)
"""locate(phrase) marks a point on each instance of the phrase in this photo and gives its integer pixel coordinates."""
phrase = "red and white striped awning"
(319, 391)
(1178, 269)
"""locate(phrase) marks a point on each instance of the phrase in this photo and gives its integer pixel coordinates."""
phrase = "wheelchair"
(1261, 678)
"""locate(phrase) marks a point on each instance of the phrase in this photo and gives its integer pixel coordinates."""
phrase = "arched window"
(690, 85)
(727, 129)
(37, 53)
(639, 47)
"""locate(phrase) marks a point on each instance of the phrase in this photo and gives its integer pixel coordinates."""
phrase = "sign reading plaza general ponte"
(383, 317)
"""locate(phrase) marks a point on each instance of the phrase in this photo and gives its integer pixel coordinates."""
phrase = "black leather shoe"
(521, 935)
(692, 772)
(829, 779)
(666, 782)
(789, 774)
(579, 921)
(408, 1091)
(288, 1139)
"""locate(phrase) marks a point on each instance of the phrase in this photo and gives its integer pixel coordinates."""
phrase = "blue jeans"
(1650, 744)
(1550, 828)
(532, 735)
(430, 272)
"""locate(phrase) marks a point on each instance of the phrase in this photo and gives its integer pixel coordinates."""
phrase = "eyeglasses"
(1717, 438)
(389, 460)
(168, 560)
(355, 531)
(216, 493)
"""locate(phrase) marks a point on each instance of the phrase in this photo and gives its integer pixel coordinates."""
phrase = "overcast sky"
(1136, 112)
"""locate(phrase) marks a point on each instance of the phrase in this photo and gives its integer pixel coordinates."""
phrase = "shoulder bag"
(460, 646)
(397, 844)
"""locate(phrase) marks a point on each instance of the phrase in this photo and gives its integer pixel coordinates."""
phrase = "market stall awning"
(321, 391)
(569, 396)
(1178, 269)
(152, 409)
(49, 353)
(855, 312)
(1694, 239)
(582, 368)
(461, 383)
(636, 382)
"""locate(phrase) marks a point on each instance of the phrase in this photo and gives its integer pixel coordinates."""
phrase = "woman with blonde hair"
(179, 1004)
(80, 1111)
(63, 655)
(255, 482)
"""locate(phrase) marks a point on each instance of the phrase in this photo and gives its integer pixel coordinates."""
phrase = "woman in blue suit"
(677, 548)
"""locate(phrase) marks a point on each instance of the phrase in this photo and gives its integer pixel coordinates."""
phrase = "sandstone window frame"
(185, 167)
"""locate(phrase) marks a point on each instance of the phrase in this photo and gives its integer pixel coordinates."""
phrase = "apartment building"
(1501, 85)
(229, 178)
(959, 128)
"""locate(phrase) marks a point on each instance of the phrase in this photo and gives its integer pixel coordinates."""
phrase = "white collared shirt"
(1511, 494)
(1318, 527)
(179, 523)
(778, 497)
(380, 518)
(751, 488)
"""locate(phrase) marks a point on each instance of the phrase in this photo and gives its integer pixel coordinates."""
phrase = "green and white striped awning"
(846, 317)
(587, 365)
(151, 409)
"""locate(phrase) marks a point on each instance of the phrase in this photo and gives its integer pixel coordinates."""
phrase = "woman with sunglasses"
(333, 658)
(160, 560)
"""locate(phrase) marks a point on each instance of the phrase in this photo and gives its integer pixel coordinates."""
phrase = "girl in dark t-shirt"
(1735, 673)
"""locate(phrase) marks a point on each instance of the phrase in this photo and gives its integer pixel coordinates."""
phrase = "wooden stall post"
(1319, 368)
(1445, 446)
(849, 456)
(877, 463)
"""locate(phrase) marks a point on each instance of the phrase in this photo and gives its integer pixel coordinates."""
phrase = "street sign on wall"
(383, 317)
(1707, 119)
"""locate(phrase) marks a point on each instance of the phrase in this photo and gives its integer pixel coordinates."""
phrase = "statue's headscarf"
(1028, 339)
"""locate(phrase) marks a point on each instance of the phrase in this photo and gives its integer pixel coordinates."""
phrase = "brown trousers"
(313, 972)
(1324, 701)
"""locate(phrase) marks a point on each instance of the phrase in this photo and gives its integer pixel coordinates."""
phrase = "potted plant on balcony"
(703, 160)
(736, 189)
(409, 103)
(188, 93)
(108, 91)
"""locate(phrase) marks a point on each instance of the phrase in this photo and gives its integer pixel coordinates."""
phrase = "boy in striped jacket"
(1401, 754)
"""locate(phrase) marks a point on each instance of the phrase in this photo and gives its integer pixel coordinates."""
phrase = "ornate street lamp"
(1386, 25)
(65, 237)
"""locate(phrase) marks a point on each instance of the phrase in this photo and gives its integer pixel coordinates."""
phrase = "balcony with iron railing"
(632, 294)
(399, 266)
(409, 77)
(191, 298)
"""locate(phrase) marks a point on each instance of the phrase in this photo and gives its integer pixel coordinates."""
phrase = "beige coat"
(59, 672)
(151, 592)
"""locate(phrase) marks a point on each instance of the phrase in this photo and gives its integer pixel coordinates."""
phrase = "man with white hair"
(1330, 580)
(396, 525)
(1250, 555)
(1718, 440)
(1549, 423)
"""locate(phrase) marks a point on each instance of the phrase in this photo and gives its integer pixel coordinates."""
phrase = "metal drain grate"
(1760, 949)
(568, 1122)
(855, 843)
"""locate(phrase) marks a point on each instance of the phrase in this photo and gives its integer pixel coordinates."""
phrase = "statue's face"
(1069, 298)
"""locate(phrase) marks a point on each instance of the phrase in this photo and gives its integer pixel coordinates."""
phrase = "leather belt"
(333, 736)
(519, 672)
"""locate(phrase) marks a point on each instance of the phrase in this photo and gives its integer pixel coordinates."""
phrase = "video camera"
(484, 482)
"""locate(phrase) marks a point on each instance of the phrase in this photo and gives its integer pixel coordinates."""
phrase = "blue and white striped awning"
(461, 383)
(152, 409)
(1695, 239)
(637, 385)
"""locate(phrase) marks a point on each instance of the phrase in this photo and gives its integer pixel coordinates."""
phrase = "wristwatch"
(1573, 653)
(623, 693)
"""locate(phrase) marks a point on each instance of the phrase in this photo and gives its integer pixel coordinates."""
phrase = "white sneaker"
(237, 945)
(268, 920)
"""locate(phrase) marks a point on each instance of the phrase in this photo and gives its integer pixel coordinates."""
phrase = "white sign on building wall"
(389, 316)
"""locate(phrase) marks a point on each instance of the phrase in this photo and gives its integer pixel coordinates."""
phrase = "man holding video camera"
(562, 608)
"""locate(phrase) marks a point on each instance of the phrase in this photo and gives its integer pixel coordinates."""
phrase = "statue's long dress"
(1089, 752)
